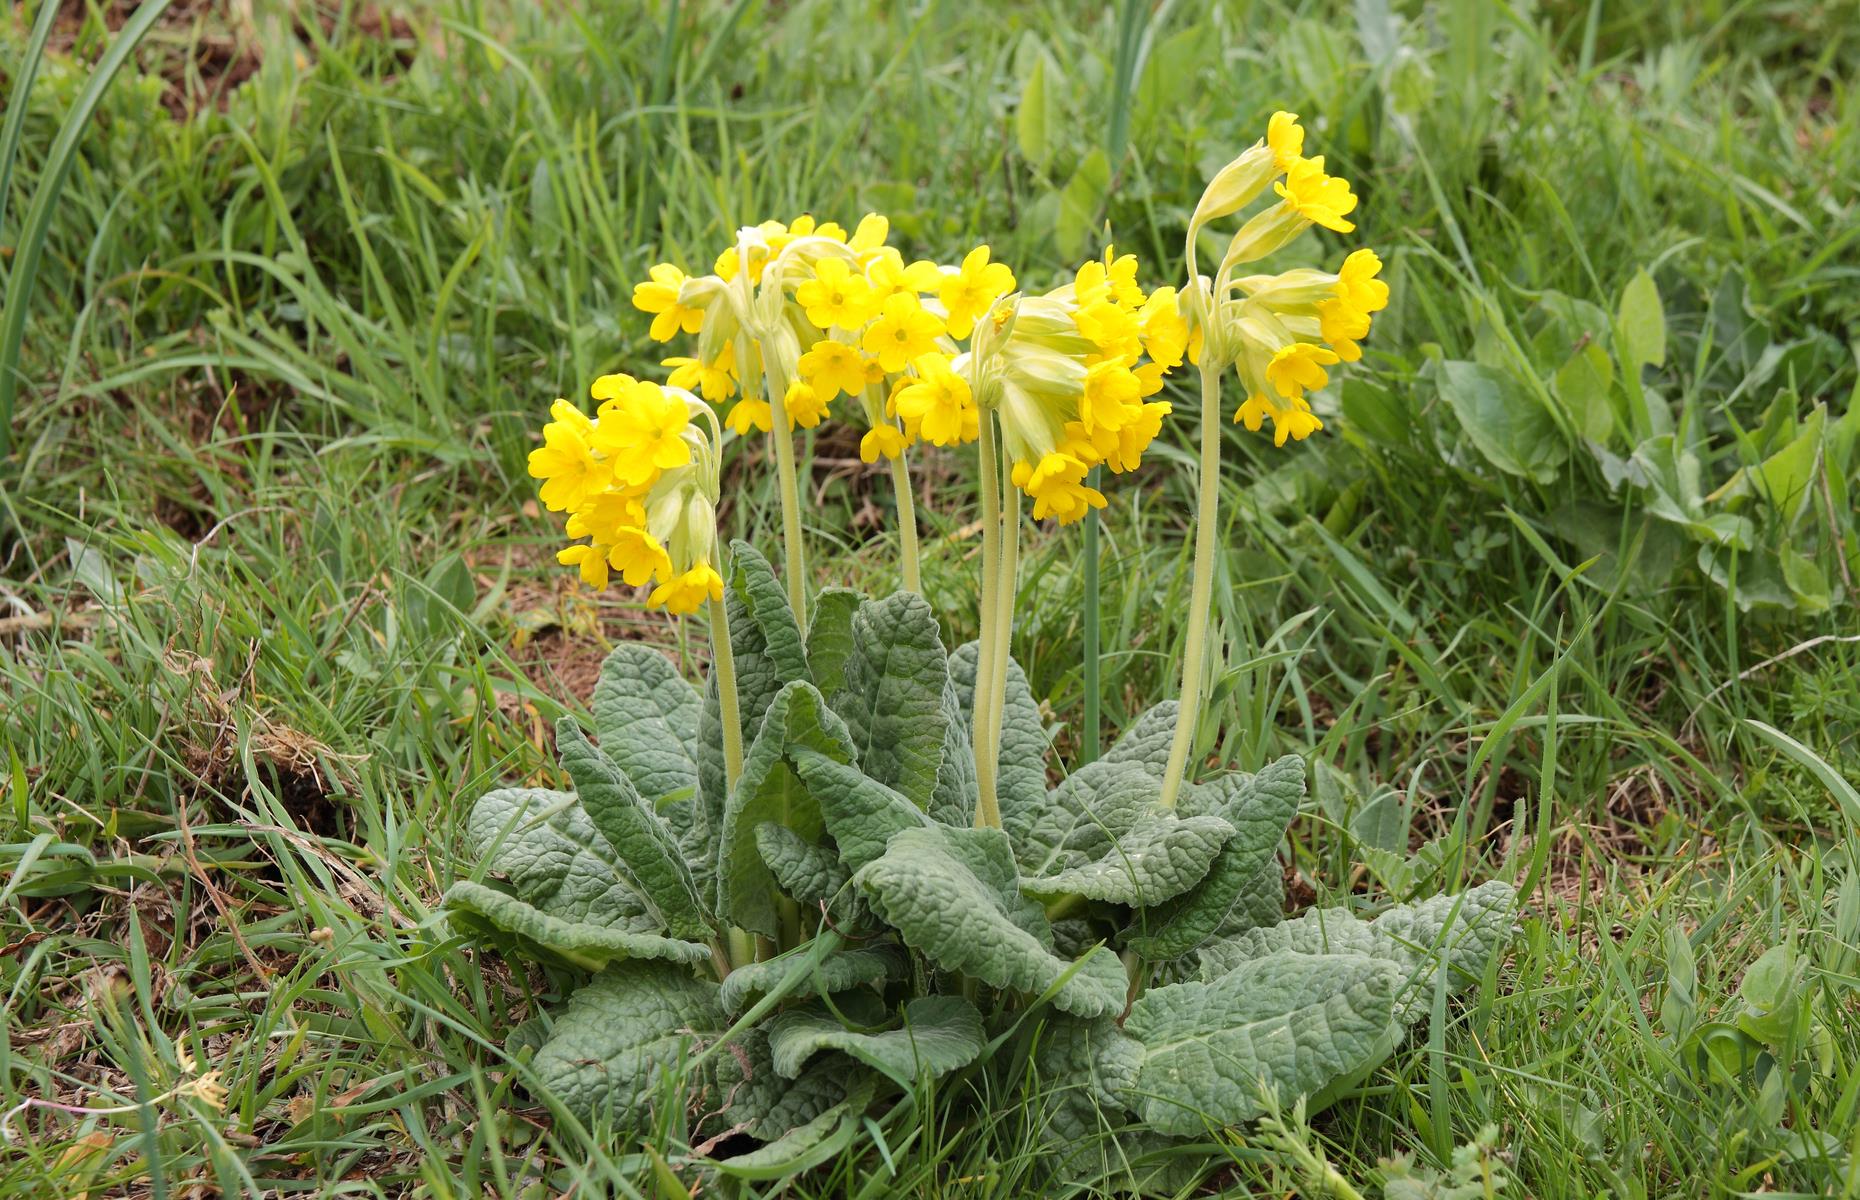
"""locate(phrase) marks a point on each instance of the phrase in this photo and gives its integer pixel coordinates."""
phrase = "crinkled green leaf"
(766, 648)
(861, 813)
(1259, 807)
(954, 896)
(1148, 739)
(617, 1037)
(806, 871)
(829, 636)
(939, 1034)
(806, 1146)
(765, 1104)
(641, 840)
(1020, 780)
(647, 719)
(770, 791)
(847, 969)
(957, 791)
(1085, 1070)
(585, 945)
(563, 890)
(1106, 837)
(1456, 933)
(1292, 1022)
(893, 694)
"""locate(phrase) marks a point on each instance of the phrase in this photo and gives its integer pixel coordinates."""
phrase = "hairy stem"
(1201, 592)
(907, 525)
(793, 551)
(1089, 732)
(988, 805)
(1005, 596)
(723, 668)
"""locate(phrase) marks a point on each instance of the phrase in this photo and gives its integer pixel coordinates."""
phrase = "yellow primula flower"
(890, 277)
(938, 406)
(1164, 329)
(641, 429)
(566, 462)
(836, 297)
(1299, 366)
(1286, 138)
(750, 413)
(1112, 397)
(590, 560)
(968, 292)
(686, 593)
(881, 441)
(716, 380)
(1295, 420)
(1112, 328)
(903, 331)
(1057, 486)
(833, 367)
(602, 517)
(659, 295)
(805, 406)
(1319, 198)
(1113, 278)
(869, 237)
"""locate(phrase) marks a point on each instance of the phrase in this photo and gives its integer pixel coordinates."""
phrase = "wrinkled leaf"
(631, 1025)
(939, 1034)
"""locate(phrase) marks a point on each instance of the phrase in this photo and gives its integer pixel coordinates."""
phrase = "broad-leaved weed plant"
(838, 868)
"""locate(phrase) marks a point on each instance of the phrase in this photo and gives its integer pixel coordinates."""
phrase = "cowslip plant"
(842, 866)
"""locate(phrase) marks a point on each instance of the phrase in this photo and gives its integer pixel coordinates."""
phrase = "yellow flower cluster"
(638, 480)
(1281, 331)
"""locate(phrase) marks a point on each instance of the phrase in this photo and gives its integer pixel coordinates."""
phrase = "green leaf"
(487, 911)
(1084, 1069)
(810, 873)
(957, 790)
(1582, 384)
(647, 719)
(806, 1146)
(1641, 324)
(640, 839)
(767, 1105)
(1454, 934)
(565, 892)
(1786, 478)
(892, 701)
(861, 813)
(839, 972)
(766, 647)
(1258, 807)
(1289, 1022)
(1505, 422)
(953, 895)
(940, 1034)
(1148, 740)
(829, 636)
(1033, 116)
(1079, 204)
(1106, 837)
(619, 1036)
(770, 791)
(1020, 779)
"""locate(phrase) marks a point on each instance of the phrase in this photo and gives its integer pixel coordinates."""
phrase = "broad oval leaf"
(939, 1034)
(647, 719)
(620, 1035)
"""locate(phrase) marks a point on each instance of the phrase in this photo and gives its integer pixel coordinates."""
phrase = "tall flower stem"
(723, 669)
(1005, 595)
(907, 525)
(793, 552)
(988, 805)
(1201, 591)
(1090, 735)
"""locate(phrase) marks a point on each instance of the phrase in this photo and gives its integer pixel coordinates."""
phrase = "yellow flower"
(833, 367)
(835, 297)
(904, 330)
(687, 593)
(1357, 284)
(1295, 420)
(641, 430)
(881, 441)
(869, 238)
(750, 413)
(1299, 366)
(565, 462)
(1111, 398)
(1057, 487)
(1165, 330)
(1114, 278)
(659, 295)
(968, 292)
(1285, 138)
(890, 277)
(592, 560)
(938, 405)
(1317, 197)
(1113, 329)
(716, 379)
(603, 516)
(638, 556)
(805, 406)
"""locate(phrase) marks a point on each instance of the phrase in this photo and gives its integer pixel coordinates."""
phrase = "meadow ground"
(276, 601)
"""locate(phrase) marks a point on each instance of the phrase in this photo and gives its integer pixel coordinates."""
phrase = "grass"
(277, 601)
